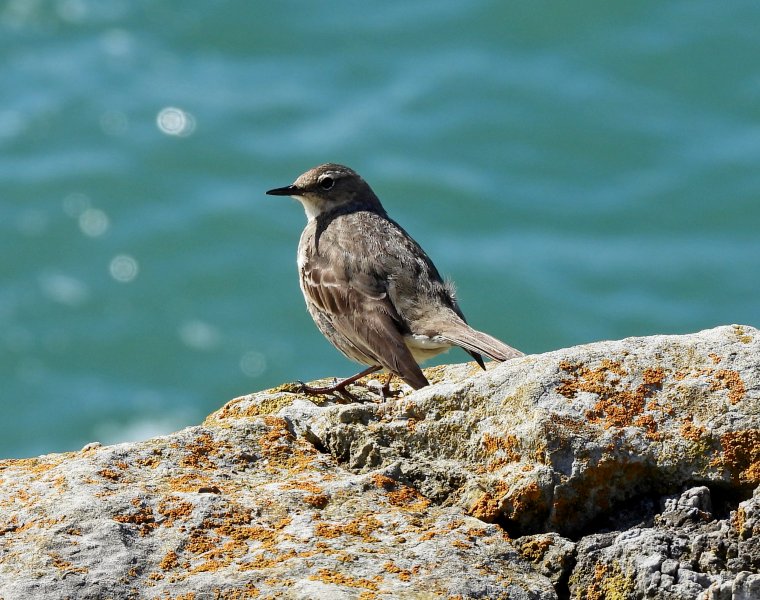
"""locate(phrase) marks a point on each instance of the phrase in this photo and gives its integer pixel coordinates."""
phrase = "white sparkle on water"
(175, 121)
(253, 363)
(93, 222)
(123, 268)
(199, 335)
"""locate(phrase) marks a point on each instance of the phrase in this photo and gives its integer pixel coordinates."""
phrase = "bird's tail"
(476, 342)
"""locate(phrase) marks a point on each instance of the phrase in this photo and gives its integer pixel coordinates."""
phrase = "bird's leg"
(386, 389)
(339, 387)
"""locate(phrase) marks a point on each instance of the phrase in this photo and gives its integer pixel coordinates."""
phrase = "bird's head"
(327, 187)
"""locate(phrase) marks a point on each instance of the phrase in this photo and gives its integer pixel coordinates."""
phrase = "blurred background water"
(582, 170)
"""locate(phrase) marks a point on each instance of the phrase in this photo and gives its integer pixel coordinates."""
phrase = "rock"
(551, 554)
(617, 469)
(245, 509)
(675, 558)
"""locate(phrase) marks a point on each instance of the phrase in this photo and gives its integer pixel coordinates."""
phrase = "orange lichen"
(226, 536)
(152, 460)
(282, 449)
(317, 500)
(143, 518)
(172, 509)
(527, 499)
(474, 532)
(739, 522)
(109, 474)
(649, 425)
(485, 508)
(383, 481)
(301, 484)
(34, 466)
(336, 578)
(65, 565)
(731, 381)
(199, 542)
(13, 526)
(616, 406)
(690, 431)
(535, 549)
(506, 445)
(189, 482)
(359, 527)
(431, 533)
(653, 376)
(267, 560)
(408, 498)
(744, 338)
(400, 495)
(200, 450)
(403, 574)
(169, 561)
(741, 455)
(680, 375)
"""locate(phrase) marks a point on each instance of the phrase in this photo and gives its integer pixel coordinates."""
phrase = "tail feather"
(477, 343)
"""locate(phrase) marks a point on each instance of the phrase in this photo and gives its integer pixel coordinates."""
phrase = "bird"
(371, 289)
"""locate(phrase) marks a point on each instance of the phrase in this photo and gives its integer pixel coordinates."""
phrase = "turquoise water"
(582, 170)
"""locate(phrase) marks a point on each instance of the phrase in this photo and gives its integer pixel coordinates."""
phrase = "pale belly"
(424, 348)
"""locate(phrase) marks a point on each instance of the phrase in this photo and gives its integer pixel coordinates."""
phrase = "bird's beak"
(289, 190)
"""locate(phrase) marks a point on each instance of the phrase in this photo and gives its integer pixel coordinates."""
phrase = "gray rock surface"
(685, 553)
(614, 470)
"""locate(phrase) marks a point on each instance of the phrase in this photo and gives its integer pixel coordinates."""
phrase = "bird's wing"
(359, 309)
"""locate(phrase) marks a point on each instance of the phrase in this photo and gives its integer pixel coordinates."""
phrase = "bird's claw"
(337, 388)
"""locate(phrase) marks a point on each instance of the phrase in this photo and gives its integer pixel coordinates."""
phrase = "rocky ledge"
(625, 469)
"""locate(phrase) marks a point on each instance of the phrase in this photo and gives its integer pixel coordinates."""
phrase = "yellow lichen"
(608, 583)
(744, 338)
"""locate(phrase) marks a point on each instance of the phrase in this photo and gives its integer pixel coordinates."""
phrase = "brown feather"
(357, 317)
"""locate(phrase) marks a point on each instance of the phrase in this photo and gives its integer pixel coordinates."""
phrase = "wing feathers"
(363, 323)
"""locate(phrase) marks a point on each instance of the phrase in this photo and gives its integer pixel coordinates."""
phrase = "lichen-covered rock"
(619, 469)
(556, 442)
(551, 554)
(686, 553)
(238, 511)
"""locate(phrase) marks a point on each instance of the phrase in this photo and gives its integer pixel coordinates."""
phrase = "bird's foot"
(339, 387)
(385, 390)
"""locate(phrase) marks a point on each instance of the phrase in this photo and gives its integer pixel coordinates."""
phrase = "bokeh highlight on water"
(583, 171)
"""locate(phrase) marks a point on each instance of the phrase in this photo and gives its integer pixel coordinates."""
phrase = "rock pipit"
(370, 288)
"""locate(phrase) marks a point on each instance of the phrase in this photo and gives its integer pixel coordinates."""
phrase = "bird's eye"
(326, 183)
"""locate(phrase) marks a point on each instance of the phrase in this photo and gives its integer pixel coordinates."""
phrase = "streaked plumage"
(370, 288)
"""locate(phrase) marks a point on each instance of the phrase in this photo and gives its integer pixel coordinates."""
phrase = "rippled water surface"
(582, 170)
